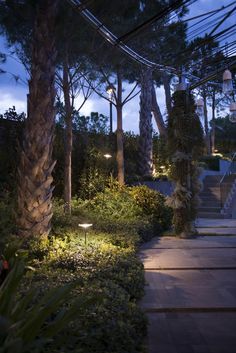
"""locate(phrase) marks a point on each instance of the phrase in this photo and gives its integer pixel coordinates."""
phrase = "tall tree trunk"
(119, 133)
(157, 114)
(213, 131)
(166, 83)
(206, 127)
(145, 124)
(35, 169)
(68, 136)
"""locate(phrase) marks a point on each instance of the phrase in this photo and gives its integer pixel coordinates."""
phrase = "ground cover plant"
(105, 276)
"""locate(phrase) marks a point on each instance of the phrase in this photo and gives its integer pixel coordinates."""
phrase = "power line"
(177, 4)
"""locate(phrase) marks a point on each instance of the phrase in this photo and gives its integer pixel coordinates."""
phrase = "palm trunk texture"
(36, 165)
(145, 124)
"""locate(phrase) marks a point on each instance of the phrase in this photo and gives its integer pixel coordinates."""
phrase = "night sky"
(14, 93)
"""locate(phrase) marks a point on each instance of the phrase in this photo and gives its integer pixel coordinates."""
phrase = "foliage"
(225, 135)
(29, 322)
(11, 124)
(90, 171)
(106, 268)
(7, 221)
(211, 162)
(185, 143)
(139, 207)
(152, 204)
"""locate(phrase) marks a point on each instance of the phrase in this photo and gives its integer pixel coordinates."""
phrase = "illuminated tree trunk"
(213, 131)
(145, 124)
(36, 165)
(68, 137)
(206, 127)
(166, 84)
(157, 114)
(119, 132)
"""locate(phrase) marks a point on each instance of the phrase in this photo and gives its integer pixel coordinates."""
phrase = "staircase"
(210, 197)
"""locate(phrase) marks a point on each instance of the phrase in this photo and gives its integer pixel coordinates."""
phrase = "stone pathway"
(216, 226)
(190, 295)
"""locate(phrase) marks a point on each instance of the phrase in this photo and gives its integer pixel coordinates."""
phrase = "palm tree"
(36, 165)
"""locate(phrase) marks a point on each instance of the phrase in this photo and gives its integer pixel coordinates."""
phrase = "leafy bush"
(136, 209)
(107, 268)
(26, 318)
(7, 221)
(152, 204)
(211, 162)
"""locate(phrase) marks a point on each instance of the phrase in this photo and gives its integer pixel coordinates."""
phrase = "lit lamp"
(107, 156)
(85, 226)
(227, 82)
(232, 109)
(200, 106)
(110, 90)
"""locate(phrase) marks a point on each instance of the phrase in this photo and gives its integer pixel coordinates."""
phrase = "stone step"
(211, 188)
(205, 208)
(209, 203)
(213, 177)
(211, 183)
(212, 215)
(207, 195)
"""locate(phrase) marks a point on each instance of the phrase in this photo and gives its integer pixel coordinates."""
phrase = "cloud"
(9, 99)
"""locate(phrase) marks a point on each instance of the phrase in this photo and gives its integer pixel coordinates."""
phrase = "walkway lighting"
(227, 82)
(107, 156)
(85, 226)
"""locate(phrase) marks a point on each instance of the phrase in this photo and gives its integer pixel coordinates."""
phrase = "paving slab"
(217, 231)
(195, 258)
(190, 294)
(221, 223)
(199, 242)
(192, 289)
(192, 333)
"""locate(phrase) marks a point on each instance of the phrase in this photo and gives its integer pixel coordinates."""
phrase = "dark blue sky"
(14, 93)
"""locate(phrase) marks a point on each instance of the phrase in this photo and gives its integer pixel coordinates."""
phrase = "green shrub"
(7, 219)
(152, 204)
(211, 162)
(29, 321)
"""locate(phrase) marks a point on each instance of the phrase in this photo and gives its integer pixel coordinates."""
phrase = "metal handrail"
(231, 170)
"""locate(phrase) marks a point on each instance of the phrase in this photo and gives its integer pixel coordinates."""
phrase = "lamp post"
(110, 91)
(85, 226)
(107, 156)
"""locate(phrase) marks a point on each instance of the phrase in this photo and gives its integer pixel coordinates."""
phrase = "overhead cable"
(112, 39)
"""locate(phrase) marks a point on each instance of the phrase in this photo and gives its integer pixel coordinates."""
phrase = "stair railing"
(227, 180)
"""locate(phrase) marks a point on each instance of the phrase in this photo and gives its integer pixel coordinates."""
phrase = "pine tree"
(145, 124)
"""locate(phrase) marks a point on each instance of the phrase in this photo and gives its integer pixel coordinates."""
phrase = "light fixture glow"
(110, 89)
(85, 225)
(107, 156)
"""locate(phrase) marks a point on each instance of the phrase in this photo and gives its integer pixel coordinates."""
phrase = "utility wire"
(223, 19)
(177, 4)
(113, 40)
